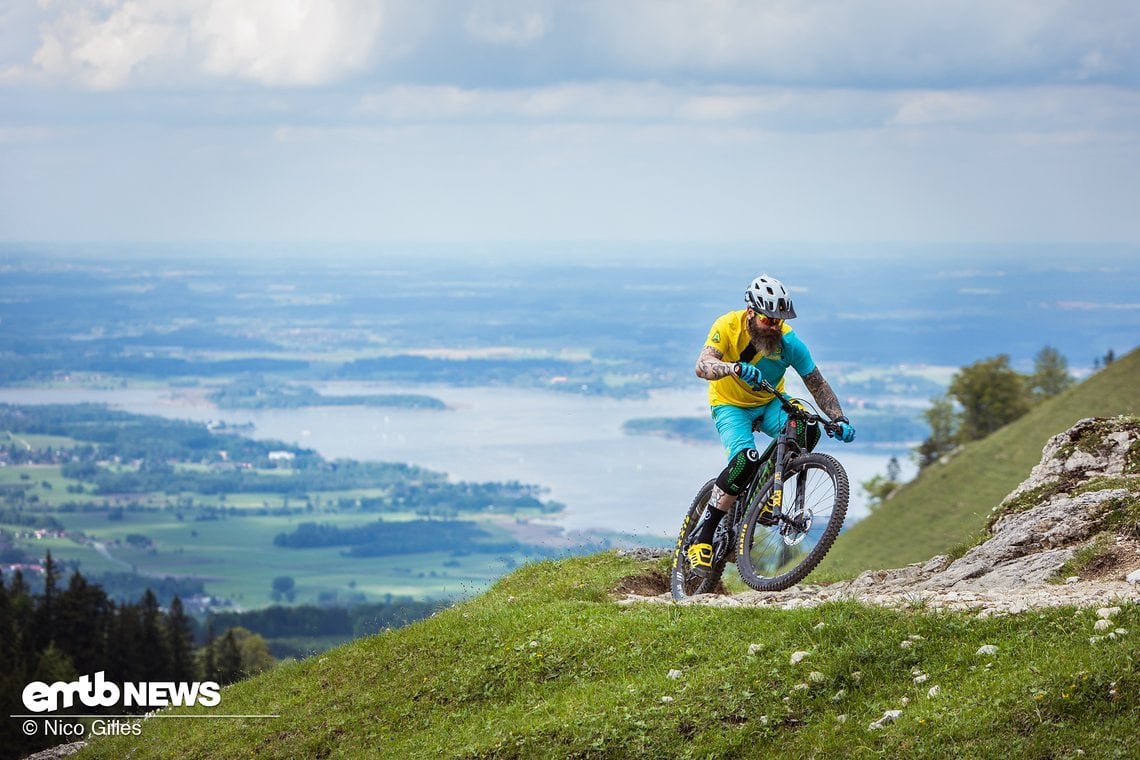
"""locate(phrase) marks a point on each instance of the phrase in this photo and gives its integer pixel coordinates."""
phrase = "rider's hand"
(844, 430)
(749, 374)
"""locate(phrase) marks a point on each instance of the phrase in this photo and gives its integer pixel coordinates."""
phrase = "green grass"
(237, 559)
(546, 665)
(948, 502)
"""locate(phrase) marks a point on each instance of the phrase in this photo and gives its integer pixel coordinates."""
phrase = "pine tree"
(229, 659)
(123, 660)
(154, 651)
(180, 636)
(83, 618)
(45, 619)
(209, 663)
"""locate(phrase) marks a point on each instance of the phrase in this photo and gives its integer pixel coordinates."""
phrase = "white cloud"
(1067, 113)
(301, 42)
(102, 45)
(110, 44)
(922, 44)
(908, 42)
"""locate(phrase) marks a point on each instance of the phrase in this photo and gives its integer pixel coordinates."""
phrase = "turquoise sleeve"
(798, 355)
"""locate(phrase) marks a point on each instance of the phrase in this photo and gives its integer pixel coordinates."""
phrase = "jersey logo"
(716, 337)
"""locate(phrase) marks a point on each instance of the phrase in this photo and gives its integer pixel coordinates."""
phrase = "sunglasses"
(770, 320)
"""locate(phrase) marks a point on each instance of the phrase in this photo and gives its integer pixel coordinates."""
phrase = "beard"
(765, 340)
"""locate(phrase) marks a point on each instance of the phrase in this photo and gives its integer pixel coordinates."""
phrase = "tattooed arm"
(823, 395)
(711, 365)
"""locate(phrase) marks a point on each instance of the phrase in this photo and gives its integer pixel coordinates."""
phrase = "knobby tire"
(771, 560)
(683, 581)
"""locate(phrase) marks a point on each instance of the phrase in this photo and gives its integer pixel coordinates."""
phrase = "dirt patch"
(1115, 564)
(648, 583)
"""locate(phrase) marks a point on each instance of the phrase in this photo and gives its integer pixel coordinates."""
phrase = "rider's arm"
(712, 366)
(823, 395)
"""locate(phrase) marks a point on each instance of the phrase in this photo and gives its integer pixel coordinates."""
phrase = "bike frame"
(792, 523)
(787, 449)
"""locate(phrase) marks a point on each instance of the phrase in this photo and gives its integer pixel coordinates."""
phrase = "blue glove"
(846, 432)
(749, 374)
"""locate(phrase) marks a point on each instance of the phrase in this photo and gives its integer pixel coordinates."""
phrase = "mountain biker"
(744, 347)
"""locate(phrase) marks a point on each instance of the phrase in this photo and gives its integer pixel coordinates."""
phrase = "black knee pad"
(739, 471)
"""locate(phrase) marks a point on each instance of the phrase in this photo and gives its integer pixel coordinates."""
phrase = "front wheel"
(776, 556)
(683, 581)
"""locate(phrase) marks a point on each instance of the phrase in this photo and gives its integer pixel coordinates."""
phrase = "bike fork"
(775, 501)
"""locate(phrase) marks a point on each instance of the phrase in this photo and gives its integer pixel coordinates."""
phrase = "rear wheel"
(774, 557)
(684, 582)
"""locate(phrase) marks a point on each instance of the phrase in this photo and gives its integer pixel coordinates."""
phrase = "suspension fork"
(776, 498)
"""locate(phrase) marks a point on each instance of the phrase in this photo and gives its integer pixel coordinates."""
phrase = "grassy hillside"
(545, 664)
(949, 503)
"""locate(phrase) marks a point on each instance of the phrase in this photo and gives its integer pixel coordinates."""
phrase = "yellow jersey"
(729, 335)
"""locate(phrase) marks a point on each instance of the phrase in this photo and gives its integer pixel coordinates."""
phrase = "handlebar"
(799, 412)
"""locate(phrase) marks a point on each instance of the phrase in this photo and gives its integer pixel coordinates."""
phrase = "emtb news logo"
(95, 691)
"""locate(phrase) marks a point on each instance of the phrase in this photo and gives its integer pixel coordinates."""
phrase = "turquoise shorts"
(736, 424)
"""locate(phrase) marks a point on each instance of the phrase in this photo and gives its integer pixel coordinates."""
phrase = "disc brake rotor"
(791, 531)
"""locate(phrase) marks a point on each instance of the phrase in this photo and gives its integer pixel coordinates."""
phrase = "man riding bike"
(742, 349)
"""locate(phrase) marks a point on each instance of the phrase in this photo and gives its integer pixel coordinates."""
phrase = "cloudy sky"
(570, 120)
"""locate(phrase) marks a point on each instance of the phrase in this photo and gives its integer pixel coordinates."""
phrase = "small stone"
(904, 701)
(987, 649)
(921, 678)
(754, 649)
(934, 691)
(666, 700)
(1106, 613)
(1102, 625)
(1072, 579)
(798, 657)
(889, 717)
(1133, 577)
(674, 674)
(1121, 631)
(906, 645)
(816, 677)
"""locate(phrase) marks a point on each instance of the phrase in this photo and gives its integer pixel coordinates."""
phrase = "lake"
(571, 445)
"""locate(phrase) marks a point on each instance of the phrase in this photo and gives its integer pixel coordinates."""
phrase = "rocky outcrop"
(1081, 501)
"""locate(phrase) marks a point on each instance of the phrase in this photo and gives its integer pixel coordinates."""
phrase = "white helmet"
(768, 296)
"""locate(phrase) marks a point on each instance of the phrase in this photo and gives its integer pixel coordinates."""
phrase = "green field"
(237, 559)
(109, 492)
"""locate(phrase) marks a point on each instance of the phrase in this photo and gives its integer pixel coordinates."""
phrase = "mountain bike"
(783, 522)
